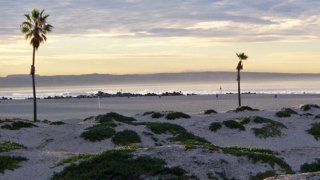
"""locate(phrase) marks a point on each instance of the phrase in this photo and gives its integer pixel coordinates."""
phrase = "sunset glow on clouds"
(150, 36)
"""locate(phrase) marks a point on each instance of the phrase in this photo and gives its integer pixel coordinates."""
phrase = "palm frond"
(242, 56)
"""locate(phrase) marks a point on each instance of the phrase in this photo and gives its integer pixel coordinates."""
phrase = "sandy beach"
(46, 145)
(63, 109)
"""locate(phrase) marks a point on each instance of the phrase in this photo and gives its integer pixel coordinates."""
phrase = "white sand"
(48, 144)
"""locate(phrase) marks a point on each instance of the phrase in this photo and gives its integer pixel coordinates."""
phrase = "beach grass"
(10, 162)
(18, 125)
(98, 132)
(259, 155)
(307, 107)
(232, 124)
(245, 108)
(285, 112)
(215, 126)
(177, 115)
(119, 164)
(57, 123)
(210, 111)
(126, 137)
(6, 146)
(112, 116)
(311, 167)
(263, 175)
(315, 130)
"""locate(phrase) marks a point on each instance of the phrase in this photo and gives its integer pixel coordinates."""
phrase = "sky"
(154, 36)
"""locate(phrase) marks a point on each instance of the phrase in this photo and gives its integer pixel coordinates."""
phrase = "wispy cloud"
(243, 20)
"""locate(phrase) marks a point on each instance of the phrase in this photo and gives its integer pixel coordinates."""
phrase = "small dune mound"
(232, 124)
(311, 167)
(57, 123)
(155, 115)
(120, 163)
(18, 125)
(112, 116)
(307, 107)
(215, 126)
(126, 137)
(270, 128)
(285, 112)
(10, 162)
(244, 108)
(315, 130)
(6, 146)
(210, 111)
(177, 115)
(98, 132)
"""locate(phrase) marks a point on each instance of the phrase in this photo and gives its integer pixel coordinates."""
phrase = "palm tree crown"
(35, 27)
(241, 57)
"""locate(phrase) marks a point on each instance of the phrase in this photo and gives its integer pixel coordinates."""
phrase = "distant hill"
(94, 79)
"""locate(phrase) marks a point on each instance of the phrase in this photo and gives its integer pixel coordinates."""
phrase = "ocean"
(19, 86)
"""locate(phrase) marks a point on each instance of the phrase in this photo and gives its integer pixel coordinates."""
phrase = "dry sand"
(48, 144)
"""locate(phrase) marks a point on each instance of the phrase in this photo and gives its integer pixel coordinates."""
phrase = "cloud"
(242, 20)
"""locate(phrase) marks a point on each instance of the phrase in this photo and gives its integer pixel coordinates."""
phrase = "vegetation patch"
(180, 134)
(312, 167)
(307, 107)
(119, 164)
(243, 120)
(177, 115)
(210, 111)
(6, 146)
(259, 155)
(126, 137)
(57, 123)
(10, 162)
(157, 115)
(268, 130)
(245, 108)
(315, 130)
(232, 124)
(317, 116)
(215, 126)
(98, 132)
(112, 116)
(263, 175)
(285, 112)
(258, 119)
(18, 125)
(73, 159)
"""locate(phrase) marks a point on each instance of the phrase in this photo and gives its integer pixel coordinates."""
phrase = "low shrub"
(263, 175)
(215, 126)
(18, 125)
(57, 123)
(10, 162)
(311, 167)
(258, 119)
(243, 120)
(245, 108)
(259, 155)
(119, 164)
(6, 146)
(232, 124)
(285, 112)
(307, 107)
(112, 116)
(148, 113)
(98, 132)
(157, 115)
(315, 130)
(177, 115)
(210, 111)
(317, 116)
(268, 130)
(73, 159)
(126, 137)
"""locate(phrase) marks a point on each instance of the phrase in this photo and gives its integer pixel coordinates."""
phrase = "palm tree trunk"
(239, 94)
(34, 87)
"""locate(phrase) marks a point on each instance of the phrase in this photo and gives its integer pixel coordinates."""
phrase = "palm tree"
(241, 57)
(35, 27)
